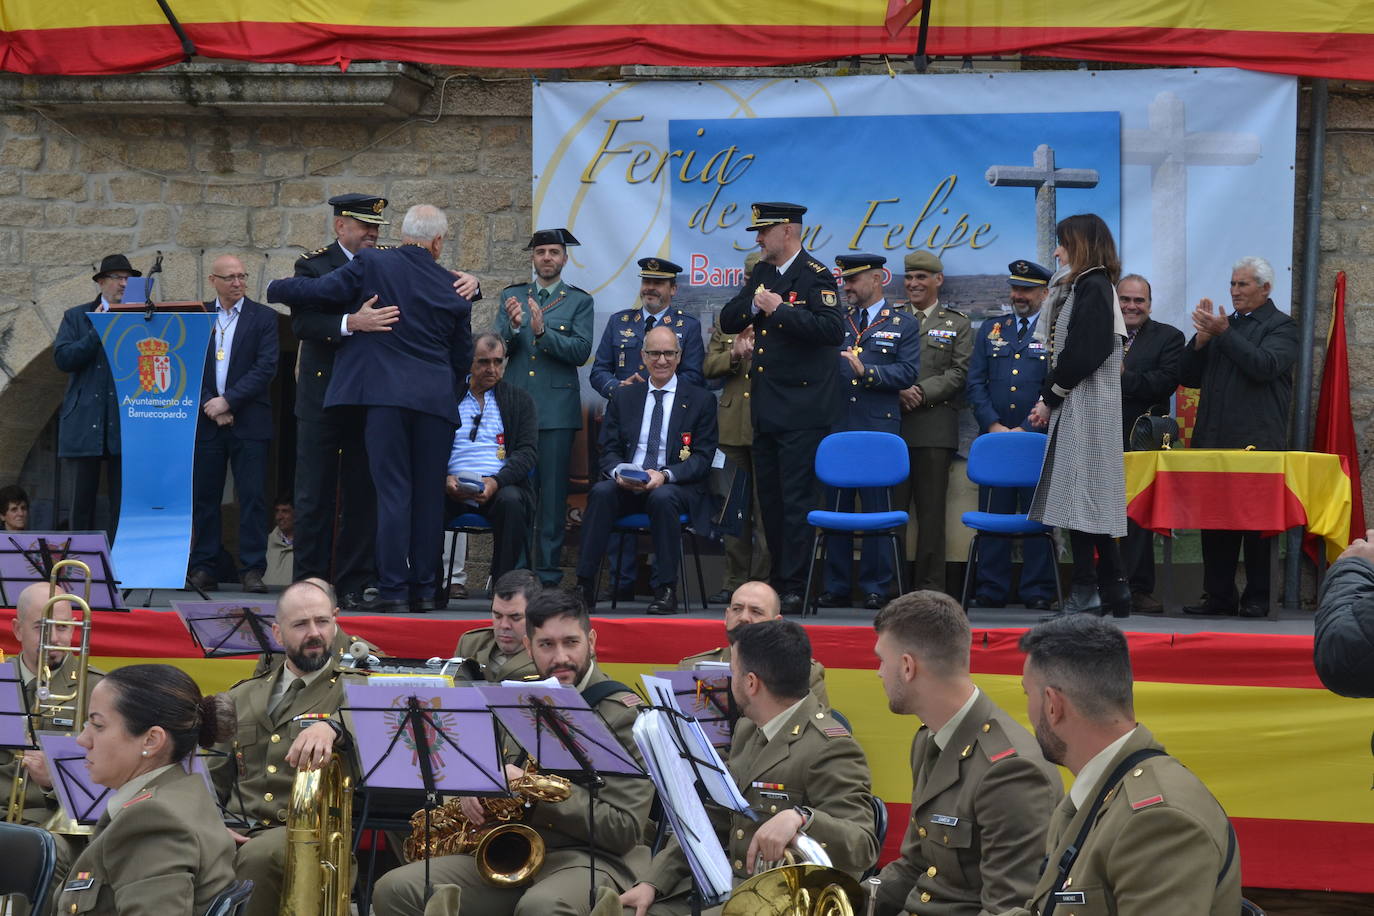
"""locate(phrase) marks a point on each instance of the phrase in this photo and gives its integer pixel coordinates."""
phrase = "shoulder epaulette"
(317, 252)
(817, 266)
(141, 796)
(829, 726)
(954, 311)
(993, 741)
(1141, 787)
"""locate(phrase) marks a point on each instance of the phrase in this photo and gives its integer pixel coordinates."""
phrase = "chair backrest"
(880, 829)
(862, 459)
(232, 900)
(1249, 909)
(30, 855)
(1010, 459)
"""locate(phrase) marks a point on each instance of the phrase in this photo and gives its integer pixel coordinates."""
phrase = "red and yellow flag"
(1335, 431)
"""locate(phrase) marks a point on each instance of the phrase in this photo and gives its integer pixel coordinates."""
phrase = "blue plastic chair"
(1010, 459)
(30, 855)
(637, 524)
(473, 523)
(850, 461)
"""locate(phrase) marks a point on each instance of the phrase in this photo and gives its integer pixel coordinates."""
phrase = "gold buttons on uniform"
(756, 369)
(760, 350)
(931, 872)
(946, 838)
(276, 738)
(853, 381)
(267, 796)
(921, 832)
(271, 768)
(764, 332)
(820, 715)
(925, 896)
(739, 866)
(281, 815)
(987, 726)
(1016, 372)
(739, 834)
(1017, 356)
(1013, 388)
(772, 809)
(319, 375)
(746, 394)
(1137, 772)
(531, 373)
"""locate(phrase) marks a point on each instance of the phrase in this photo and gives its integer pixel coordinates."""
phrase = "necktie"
(863, 320)
(932, 756)
(1021, 329)
(543, 297)
(288, 698)
(649, 324)
(655, 431)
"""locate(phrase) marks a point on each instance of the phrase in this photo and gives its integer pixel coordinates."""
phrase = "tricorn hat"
(551, 237)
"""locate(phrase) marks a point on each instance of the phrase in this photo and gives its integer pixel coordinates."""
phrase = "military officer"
(880, 357)
(754, 602)
(799, 769)
(729, 356)
(930, 412)
(1004, 379)
(287, 719)
(1138, 832)
(790, 301)
(500, 648)
(617, 362)
(983, 791)
(547, 326)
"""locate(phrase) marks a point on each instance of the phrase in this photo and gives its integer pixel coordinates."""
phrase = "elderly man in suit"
(409, 379)
(234, 427)
(1150, 369)
(88, 431)
(666, 428)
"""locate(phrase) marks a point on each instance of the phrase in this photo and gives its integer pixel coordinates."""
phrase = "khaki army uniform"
(560, 886)
(979, 814)
(271, 662)
(812, 762)
(254, 780)
(165, 852)
(931, 432)
(1160, 845)
(480, 644)
(722, 654)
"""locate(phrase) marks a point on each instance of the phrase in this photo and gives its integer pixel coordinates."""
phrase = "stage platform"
(1236, 700)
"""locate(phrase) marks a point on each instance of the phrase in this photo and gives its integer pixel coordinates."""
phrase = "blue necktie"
(655, 432)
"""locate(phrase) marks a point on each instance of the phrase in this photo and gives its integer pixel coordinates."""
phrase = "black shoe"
(791, 604)
(721, 597)
(624, 593)
(1116, 599)
(421, 605)
(252, 582)
(381, 605)
(1208, 609)
(1254, 609)
(979, 601)
(1145, 603)
(1033, 604)
(665, 601)
(1084, 599)
(586, 589)
(873, 601)
(202, 580)
(826, 599)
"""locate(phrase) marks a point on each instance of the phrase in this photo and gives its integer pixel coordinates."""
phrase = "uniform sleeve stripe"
(1147, 802)
(998, 756)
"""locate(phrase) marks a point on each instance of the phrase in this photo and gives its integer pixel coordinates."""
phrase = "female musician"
(160, 847)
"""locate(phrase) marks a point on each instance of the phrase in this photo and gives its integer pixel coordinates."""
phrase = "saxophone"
(508, 853)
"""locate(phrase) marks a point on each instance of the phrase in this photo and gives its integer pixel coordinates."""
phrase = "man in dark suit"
(234, 427)
(790, 300)
(1149, 375)
(1004, 379)
(498, 443)
(88, 431)
(409, 379)
(667, 428)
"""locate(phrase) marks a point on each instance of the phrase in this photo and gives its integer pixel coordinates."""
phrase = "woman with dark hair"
(161, 846)
(1082, 485)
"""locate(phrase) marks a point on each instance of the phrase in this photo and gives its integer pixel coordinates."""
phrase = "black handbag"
(1151, 434)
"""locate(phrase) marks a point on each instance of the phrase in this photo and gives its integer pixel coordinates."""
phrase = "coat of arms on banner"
(154, 365)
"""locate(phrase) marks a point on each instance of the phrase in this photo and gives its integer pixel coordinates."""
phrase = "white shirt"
(1095, 769)
(226, 323)
(125, 793)
(642, 443)
(946, 732)
(104, 305)
(873, 311)
(343, 322)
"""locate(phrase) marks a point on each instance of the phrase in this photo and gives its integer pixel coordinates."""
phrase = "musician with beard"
(287, 719)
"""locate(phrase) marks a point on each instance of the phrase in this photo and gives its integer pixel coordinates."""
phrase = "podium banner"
(157, 365)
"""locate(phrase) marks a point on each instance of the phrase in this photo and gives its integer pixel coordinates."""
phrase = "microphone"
(360, 657)
(149, 306)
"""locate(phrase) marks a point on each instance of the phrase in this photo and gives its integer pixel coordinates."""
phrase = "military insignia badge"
(995, 333)
(500, 446)
(686, 451)
(828, 298)
(761, 289)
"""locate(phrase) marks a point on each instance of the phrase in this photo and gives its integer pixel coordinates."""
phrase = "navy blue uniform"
(1004, 381)
(890, 351)
(618, 355)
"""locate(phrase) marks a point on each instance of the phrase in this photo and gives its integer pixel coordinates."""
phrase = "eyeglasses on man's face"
(231, 278)
(661, 354)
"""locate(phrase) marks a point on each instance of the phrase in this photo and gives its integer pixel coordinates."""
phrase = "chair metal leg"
(969, 567)
(1054, 566)
(682, 573)
(897, 564)
(596, 583)
(701, 580)
(817, 543)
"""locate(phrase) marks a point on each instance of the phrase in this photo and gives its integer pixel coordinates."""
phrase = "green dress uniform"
(979, 813)
(931, 432)
(560, 886)
(722, 654)
(253, 779)
(480, 644)
(746, 555)
(1161, 844)
(813, 763)
(546, 367)
(162, 853)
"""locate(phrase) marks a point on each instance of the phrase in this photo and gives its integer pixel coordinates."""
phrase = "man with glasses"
(234, 427)
(657, 444)
(498, 445)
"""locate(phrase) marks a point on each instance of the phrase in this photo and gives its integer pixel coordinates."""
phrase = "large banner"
(1191, 169)
(157, 364)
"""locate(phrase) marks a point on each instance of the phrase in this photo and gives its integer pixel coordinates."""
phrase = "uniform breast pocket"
(81, 894)
(768, 802)
(249, 736)
(945, 843)
(939, 344)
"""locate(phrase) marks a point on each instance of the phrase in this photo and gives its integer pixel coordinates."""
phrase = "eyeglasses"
(661, 354)
(476, 422)
(231, 278)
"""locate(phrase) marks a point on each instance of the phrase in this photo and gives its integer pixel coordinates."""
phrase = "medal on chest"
(500, 446)
(686, 451)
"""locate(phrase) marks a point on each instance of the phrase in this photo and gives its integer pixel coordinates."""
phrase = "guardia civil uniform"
(810, 762)
(979, 811)
(560, 886)
(480, 644)
(931, 430)
(1161, 843)
(159, 849)
(546, 368)
(722, 654)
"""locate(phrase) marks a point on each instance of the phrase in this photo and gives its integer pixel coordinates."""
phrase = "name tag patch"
(944, 820)
(82, 881)
(1070, 897)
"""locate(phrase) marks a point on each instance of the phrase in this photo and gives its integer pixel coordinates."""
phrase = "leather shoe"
(873, 601)
(827, 599)
(421, 605)
(1207, 609)
(1254, 609)
(1116, 599)
(1145, 603)
(1035, 604)
(252, 582)
(200, 579)
(791, 604)
(458, 591)
(586, 588)
(721, 597)
(665, 601)
(381, 605)
(1084, 599)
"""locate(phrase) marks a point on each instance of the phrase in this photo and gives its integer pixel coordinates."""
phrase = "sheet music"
(720, 787)
(14, 718)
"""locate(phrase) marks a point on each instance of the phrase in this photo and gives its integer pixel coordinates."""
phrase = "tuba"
(48, 702)
(508, 853)
(806, 885)
(319, 843)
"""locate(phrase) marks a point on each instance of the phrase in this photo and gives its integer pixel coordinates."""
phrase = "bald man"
(40, 801)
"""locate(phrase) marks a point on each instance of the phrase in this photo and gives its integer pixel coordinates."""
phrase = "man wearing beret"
(930, 412)
(617, 364)
(547, 326)
(1003, 383)
(880, 357)
(88, 432)
(791, 302)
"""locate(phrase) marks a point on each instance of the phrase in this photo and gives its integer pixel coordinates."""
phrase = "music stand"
(27, 557)
(410, 734)
(705, 696)
(229, 628)
(82, 800)
(14, 716)
(566, 736)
